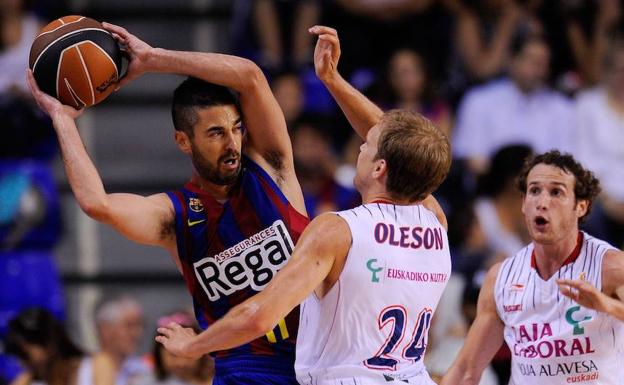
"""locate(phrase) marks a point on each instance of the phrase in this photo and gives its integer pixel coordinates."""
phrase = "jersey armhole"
(177, 198)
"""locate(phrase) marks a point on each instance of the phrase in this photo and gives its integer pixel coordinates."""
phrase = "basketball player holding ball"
(235, 223)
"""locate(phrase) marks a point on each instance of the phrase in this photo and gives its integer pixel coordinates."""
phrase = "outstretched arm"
(610, 299)
(484, 338)
(141, 219)
(268, 141)
(359, 110)
(323, 245)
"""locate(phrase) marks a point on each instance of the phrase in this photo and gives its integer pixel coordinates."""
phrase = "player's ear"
(581, 207)
(183, 141)
(380, 168)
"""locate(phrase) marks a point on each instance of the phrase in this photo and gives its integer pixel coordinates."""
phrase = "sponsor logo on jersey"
(193, 223)
(516, 287)
(250, 263)
(196, 205)
(512, 308)
(374, 270)
(575, 321)
(536, 341)
(576, 371)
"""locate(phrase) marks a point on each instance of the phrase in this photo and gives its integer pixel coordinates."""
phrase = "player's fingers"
(32, 84)
(321, 29)
(333, 40)
(164, 331)
(121, 31)
(174, 326)
(161, 339)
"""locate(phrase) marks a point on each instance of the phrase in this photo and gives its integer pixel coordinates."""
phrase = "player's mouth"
(540, 222)
(230, 162)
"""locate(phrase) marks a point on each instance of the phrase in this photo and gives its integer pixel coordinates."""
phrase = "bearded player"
(235, 223)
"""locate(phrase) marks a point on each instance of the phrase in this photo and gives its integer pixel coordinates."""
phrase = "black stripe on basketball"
(46, 67)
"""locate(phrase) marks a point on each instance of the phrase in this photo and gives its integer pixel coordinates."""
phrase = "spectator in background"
(590, 26)
(498, 207)
(600, 116)
(281, 26)
(373, 29)
(484, 33)
(408, 86)
(18, 28)
(46, 351)
(315, 165)
(519, 108)
(173, 370)
(288, 91)
(120, 328)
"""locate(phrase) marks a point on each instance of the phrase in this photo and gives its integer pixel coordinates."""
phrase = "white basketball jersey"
(371, 327)
(552, 339)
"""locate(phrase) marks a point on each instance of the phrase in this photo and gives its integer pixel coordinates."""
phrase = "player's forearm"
(84, 179)
(242, 324)
(230, 71)
(458, 375)
(359, 110)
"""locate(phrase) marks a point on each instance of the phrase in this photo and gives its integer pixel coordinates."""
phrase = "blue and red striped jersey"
(230, 251)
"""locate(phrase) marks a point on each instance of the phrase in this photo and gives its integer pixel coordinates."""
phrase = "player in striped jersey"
(558, 302)
(234, 225)
(370, 277)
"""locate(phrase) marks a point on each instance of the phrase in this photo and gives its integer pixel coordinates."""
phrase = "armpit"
(167, 229)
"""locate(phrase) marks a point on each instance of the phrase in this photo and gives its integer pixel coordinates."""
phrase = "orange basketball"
(75, 60)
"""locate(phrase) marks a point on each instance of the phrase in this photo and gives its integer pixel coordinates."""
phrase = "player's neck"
(219, 192)
(550, 257)
(385, 198)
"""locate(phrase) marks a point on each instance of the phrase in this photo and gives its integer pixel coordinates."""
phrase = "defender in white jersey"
(558, 302)
(370, 278)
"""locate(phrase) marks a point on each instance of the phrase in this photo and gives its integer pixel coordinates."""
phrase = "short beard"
(211, 173)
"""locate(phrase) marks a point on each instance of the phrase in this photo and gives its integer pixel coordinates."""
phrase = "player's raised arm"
(320, 252)
(138, 218)
(483, 341)
(267, 133)
(359, 110)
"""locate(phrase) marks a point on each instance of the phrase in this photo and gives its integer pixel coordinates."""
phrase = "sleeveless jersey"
(371, 327)
(552, 339)
(231, 251)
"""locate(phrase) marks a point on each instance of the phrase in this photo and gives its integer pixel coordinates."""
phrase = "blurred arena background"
(495, 75)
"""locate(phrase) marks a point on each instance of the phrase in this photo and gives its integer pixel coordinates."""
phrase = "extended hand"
(326, 52)
(177, 340)
(137, 50)
(584, 294)
(49, 104)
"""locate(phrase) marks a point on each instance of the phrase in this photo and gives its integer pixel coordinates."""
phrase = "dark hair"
(417, 153)
(195, 93)
(586, 185)
(521, 40)
(39, 327)
(504, 168)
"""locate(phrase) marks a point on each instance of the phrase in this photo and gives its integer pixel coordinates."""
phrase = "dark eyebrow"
(215, 128)
(555, 183)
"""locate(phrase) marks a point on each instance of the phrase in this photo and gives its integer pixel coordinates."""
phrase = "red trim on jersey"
(571, 258)
(382, 201)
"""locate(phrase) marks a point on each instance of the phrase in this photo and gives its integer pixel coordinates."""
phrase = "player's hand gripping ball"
(76, 60)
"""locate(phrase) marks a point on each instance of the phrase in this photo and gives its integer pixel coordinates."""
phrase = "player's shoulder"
(612, 271)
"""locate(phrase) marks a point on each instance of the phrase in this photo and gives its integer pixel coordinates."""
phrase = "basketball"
(75, 60)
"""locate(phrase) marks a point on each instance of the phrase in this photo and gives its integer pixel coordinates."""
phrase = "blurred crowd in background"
(504, 79)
